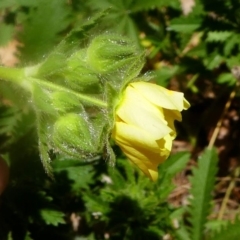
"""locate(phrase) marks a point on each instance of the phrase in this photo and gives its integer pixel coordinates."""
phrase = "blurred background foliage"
(191, 46)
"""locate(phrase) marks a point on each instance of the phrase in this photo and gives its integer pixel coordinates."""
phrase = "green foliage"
(41, 28)
(52, 217)
(201, 192)
(124, 189)
(192, 52)
(6, 32)
(169, 169)
(230, 231)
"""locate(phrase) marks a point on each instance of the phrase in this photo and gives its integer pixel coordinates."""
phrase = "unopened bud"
(79, 76)
(65, 102)
(108, 53)
(72, 133)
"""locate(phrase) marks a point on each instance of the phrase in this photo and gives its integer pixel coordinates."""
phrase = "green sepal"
(110, 53)
(42, 100)
(71, 132)
(79, 75)
(65, 102)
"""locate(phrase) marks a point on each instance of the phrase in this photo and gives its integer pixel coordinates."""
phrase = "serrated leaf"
(42, 129)
(202, 182)
(233, 61)
(220, 36)
(78, 172)
(213, 60)
(181, 232)
(9, 117)
(231, 43)
(214, 226)
(41, 29)
(175, 163)
(185, 24)
(230, 231)
(52, 217)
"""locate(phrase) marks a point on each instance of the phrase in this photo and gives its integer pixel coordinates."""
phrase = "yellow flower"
(144, 124)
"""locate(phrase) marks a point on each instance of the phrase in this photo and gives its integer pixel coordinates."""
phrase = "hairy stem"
(81, 96)
(15, 75)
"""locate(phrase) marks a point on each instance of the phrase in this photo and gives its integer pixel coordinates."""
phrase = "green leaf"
(174, 164)
(215, 226)
(181, 231)
(220, 36)
(226, 78)
(6, 33)
(185, 24)
(52, 217)
(56, 60)
(28, 236)
(230, 231)
(141, 5)
(42, 28)
(7, 3)
(231, 42)
(78, 172)
(164, 74)
(213, 60)
(9, 116)
(43, 142)
(202, 182)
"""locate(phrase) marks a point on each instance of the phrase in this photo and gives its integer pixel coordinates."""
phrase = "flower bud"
(71, 132)
(65, 102)
(109, 53)
(79, 76)
(42, 99)
(144, 127)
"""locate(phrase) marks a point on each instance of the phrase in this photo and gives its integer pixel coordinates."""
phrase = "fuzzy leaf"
(202, 181)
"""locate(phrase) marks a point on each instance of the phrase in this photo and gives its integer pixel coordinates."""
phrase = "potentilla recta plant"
(88, 92)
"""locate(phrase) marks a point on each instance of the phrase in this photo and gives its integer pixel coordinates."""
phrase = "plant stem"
(15, 75)
(219, 123)
(82, 97)
(22, 77)
(227, 195)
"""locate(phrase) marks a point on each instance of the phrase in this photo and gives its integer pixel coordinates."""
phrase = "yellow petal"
(160, 96)
(171, 116)
(186, 104)
(165, 145)
(125, 134)
(138, 111)
(145, 160)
